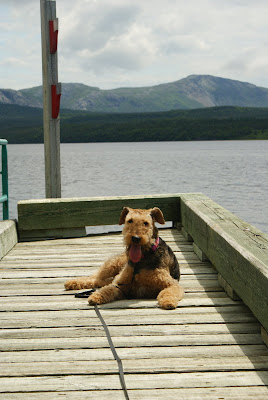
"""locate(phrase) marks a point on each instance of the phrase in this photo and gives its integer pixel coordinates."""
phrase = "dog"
(147, 269)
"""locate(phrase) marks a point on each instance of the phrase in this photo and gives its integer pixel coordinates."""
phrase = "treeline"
(165, 130)
(24, 125)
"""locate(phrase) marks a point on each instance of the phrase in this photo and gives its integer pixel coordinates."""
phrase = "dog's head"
(140, 231)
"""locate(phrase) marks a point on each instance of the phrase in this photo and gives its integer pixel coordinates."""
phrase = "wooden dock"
(53, 345)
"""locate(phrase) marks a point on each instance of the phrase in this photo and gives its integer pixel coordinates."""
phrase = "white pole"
(51, 98)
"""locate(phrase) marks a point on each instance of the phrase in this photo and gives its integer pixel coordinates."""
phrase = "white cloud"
(94, 24)
(112, 43)
(12, 61)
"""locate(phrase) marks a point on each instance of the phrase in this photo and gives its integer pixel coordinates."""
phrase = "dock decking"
(53, 346)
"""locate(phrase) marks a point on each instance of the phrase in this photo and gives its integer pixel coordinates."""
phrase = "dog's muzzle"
(135, 239)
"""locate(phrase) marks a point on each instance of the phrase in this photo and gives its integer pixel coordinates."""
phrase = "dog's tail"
(174, 268)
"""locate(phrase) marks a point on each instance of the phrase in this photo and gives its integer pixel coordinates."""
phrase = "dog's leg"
(105, 294)
(169, 297)
(82, 282)
(104, 276)
(159, 283)
(109, 270)
(114, 291)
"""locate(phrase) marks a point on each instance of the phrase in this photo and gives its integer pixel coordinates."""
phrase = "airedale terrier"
(147, 269)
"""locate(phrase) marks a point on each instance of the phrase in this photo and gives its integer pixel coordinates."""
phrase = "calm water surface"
(233, 173)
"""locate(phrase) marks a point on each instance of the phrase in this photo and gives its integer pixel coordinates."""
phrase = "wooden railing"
(51, 218)
(4, 172)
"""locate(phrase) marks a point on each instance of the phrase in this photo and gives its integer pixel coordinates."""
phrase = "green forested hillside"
(24, 125)
(194, 91)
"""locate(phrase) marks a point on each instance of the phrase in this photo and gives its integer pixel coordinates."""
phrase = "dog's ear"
(123, 215)
(157, 215)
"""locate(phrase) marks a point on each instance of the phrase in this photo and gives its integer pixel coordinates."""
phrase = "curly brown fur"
(147, 268)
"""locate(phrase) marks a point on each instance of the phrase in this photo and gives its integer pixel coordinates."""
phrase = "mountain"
(195, 91)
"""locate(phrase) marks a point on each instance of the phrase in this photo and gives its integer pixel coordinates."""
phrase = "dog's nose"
(136, 239)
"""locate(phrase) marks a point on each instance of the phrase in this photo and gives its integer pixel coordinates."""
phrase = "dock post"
(51, 98)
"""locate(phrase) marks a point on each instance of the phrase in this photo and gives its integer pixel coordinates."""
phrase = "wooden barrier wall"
(8, 236)
(237, 250)
(68, 217)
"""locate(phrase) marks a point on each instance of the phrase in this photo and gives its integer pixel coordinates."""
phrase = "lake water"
(232, 173)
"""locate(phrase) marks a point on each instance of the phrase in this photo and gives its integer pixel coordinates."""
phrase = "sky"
(134, 43)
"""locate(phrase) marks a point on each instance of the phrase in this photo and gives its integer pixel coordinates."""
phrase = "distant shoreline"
(25, 125)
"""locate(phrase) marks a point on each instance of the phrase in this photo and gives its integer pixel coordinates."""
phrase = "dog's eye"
(130, 221)
(146, 223)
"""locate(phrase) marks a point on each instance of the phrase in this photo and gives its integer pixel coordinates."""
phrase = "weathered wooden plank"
(42, 303)
(97, 250)
(59, 281)
(40, 290)
(144, 330)
(128, 341)
(125, 353)
(46, 234)
(135, 381)
(76, 262)
(235, 248)
(77, 249)
(141, 303)
(149, 366)
(80, 212)
(106, 239)
(72, 264)
(231, 393)
(76, 257)
(138, 312)
(80, 320)
(168, 234)
(57, 284)
(12, 273)
(8, 236)
(67, 263)
(189, 285)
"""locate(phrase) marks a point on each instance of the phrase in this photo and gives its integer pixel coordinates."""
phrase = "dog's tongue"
(135, 252)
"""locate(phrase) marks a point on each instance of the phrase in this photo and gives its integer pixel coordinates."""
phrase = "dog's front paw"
(72, 284)
(95, 299)
(166, 300)
(168, 305)
(79, 283)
